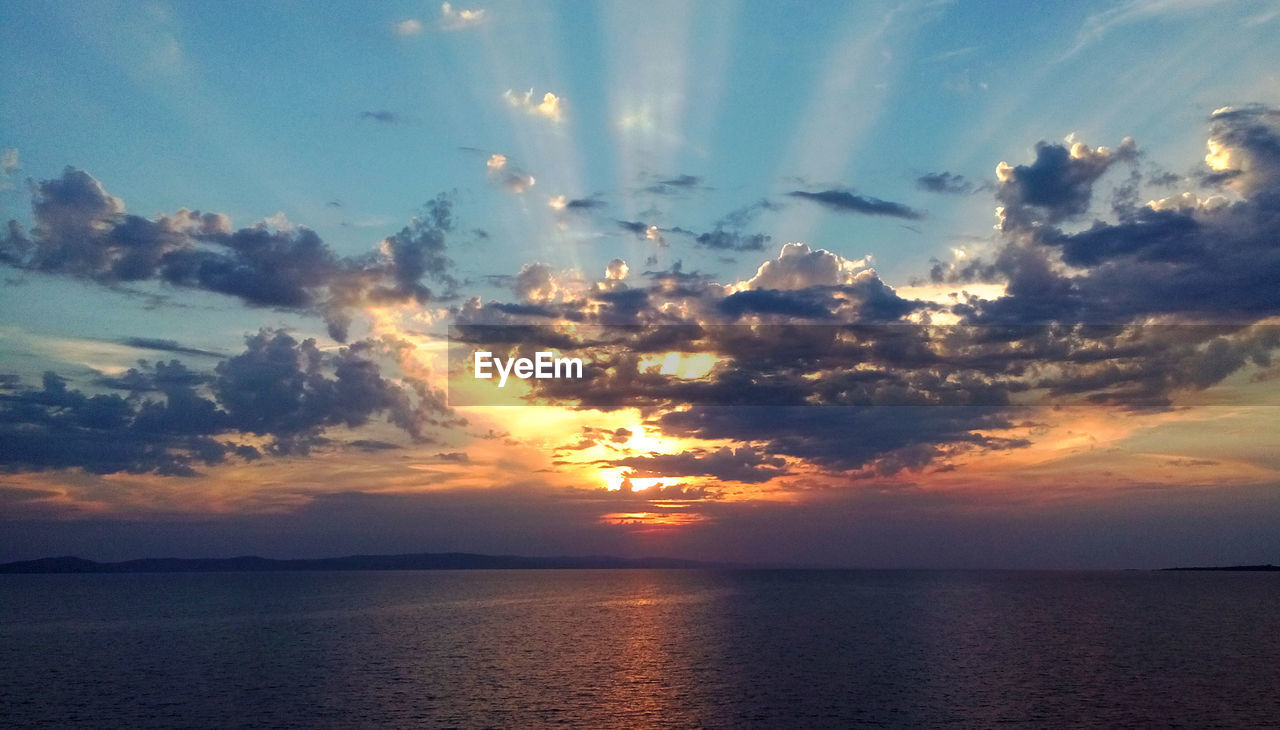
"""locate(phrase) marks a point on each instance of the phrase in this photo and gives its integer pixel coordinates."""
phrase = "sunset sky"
(237, 235)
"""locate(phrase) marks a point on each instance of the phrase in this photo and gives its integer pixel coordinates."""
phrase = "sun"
(617, 479)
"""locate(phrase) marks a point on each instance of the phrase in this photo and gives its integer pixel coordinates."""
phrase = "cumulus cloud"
(1198, 258)
(800, 267)
(616, 270)
(846, 201)
(82, 231)
(549, 107)
(279, 395)
(1057, 186)
(1074, 323)
(1243, 148)
(536, 282)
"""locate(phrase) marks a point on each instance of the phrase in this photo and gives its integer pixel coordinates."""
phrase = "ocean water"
(631, 649)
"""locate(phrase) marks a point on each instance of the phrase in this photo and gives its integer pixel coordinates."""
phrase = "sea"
(641, 649)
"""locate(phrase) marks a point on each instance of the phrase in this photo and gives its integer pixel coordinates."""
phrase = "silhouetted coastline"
(415, 561)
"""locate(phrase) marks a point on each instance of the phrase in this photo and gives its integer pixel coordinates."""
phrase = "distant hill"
(1254, 568)
(417, 561)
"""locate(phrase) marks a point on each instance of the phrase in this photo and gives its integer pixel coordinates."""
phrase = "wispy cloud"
(508, 174)
(457, 18)
(846, 201)
(8, 165)
(1102, 23)
(381, 115)
(409, 27)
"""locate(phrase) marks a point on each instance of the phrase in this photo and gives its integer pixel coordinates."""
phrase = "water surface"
(639, 648)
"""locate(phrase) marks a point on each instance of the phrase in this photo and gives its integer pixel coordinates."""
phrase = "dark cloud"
(582, 205)
(382, 115)
(372, 445)
(845, 201)
(733, 240)
(771, 301)
(945, 182)
(1057, 186)
(882, 439)
(1198, 259)
(728, 233)
(279, 395)
(727, 464)
(82, 231)
(57, 427)
(161, 345)
(675, 185)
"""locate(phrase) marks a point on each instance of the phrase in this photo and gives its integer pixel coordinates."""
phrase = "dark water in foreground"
(640, 648)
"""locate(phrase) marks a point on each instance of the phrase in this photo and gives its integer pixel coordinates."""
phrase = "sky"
(923, 284)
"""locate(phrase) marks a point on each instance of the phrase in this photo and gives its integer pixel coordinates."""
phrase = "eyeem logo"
(543, 365)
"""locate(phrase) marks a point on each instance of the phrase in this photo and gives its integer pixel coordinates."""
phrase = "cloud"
(382, 115)
(1101, 23)
(1057, 186)
(1244, 149)
(451, 19)
(645, 231)
(9, 164)
(278, 395)
(744, 464)
(800, 267)
(83, 232)
(728, 233)
(561, 202)
(152, 343)
(1190, 257)
(1197, 258)
(536, 282)
(884, 440)
(945, 182)
(845, 201)
(1203, 257)
(772, 301)
(409, 27)
(616, 270)
(675, 185)
(549, 107)
(511, 177)
(733, 240)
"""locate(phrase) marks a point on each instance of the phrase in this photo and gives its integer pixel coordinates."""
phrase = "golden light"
(684, 365)
(652, 520)
(616, 480)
